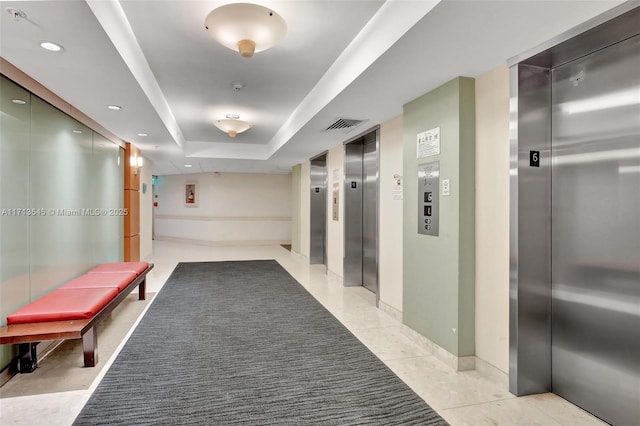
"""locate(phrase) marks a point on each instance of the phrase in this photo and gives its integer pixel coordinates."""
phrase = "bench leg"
(27, 357)
(142, 289)
(90, 347)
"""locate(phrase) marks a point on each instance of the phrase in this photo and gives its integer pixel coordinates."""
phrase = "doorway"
(575, 221)
(361, 211)
(595, 242)
(318, 238)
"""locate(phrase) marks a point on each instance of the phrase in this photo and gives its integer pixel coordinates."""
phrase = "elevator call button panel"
(428, 198)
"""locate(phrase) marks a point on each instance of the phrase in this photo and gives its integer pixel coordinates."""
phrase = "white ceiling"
(360, 59)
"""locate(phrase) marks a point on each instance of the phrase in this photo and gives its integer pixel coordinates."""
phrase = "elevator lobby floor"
(478, 397)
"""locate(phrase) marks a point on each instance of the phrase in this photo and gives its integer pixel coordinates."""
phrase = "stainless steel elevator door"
(596, 232)
(317, 252)
(361, 212)
(369, 216)
(353, 214)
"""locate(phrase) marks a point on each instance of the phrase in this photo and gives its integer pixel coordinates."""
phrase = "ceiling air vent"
(344, 125)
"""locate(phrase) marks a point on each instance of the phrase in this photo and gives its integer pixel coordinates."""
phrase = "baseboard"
(334, 278)
(299, 256)
(457, 363)
(390, 310)
(492, 371)
(6, 374)
(42, 351)
(222, 243)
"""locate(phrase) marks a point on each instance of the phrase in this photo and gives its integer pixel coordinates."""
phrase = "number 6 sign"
(534, 158)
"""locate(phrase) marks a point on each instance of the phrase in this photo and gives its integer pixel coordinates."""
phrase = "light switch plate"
(446, 188)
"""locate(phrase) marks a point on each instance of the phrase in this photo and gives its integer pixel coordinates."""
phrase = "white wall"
(390, 262)
(492, 217)
(146, 211)
(230, 207)
(335, 228)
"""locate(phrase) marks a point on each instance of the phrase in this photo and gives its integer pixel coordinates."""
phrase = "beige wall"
(390, 262)
(492, 217)
(146, 211)
(335, 228)
(230, 207)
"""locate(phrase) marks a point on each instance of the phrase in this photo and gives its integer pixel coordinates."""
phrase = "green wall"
(439, 272)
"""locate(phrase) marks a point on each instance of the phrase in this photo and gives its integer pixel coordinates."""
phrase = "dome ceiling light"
(232, 125)
(245, 27)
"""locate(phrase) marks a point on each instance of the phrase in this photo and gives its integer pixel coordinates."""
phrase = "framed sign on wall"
(191, 194)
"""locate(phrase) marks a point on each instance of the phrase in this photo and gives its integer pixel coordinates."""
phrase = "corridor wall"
(228, 207)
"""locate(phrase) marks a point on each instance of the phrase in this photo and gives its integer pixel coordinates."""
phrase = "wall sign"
(397, 187)
(534, 158)
(335, 201)
(190, 194)
(428, 143)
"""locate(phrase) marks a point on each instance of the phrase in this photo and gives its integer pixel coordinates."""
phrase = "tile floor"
(478, 397)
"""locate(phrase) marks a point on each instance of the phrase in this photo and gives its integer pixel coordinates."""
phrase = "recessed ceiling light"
(142, 134)
(77, 131)
(188, 165)
(232, 116)
(50, 46)
(18, 101)
(114, 107)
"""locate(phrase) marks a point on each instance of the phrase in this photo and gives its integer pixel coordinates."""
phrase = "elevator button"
(428, 197)
(427, 227)
(427, 221)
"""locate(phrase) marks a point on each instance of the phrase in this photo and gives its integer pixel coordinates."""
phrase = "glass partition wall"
(61, 200)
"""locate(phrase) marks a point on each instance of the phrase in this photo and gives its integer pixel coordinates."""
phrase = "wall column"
(132, 204)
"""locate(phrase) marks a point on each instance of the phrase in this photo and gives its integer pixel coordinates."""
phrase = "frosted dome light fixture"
(232, 125)
(245, 27)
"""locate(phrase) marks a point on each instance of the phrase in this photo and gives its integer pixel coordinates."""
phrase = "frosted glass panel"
(61, 195)
(108, 232)
(14, 195)
(61, 183)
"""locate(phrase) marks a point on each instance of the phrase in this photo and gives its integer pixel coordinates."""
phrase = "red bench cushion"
(63, 305)
(119, 280)
(137, 267)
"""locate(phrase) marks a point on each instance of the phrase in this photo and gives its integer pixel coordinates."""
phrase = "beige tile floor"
(478, 397)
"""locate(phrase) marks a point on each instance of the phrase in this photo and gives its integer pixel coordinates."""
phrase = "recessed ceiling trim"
(111, 16)
(225, 150)
(387, 26)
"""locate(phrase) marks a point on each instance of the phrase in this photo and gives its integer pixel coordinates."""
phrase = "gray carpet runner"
(229, 343)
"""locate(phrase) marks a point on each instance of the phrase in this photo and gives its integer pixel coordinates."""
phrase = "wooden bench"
(73, 311)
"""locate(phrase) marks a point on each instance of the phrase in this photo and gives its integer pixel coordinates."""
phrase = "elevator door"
(369, 216)
(596, 232)
(361, 212)
(318, 220)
